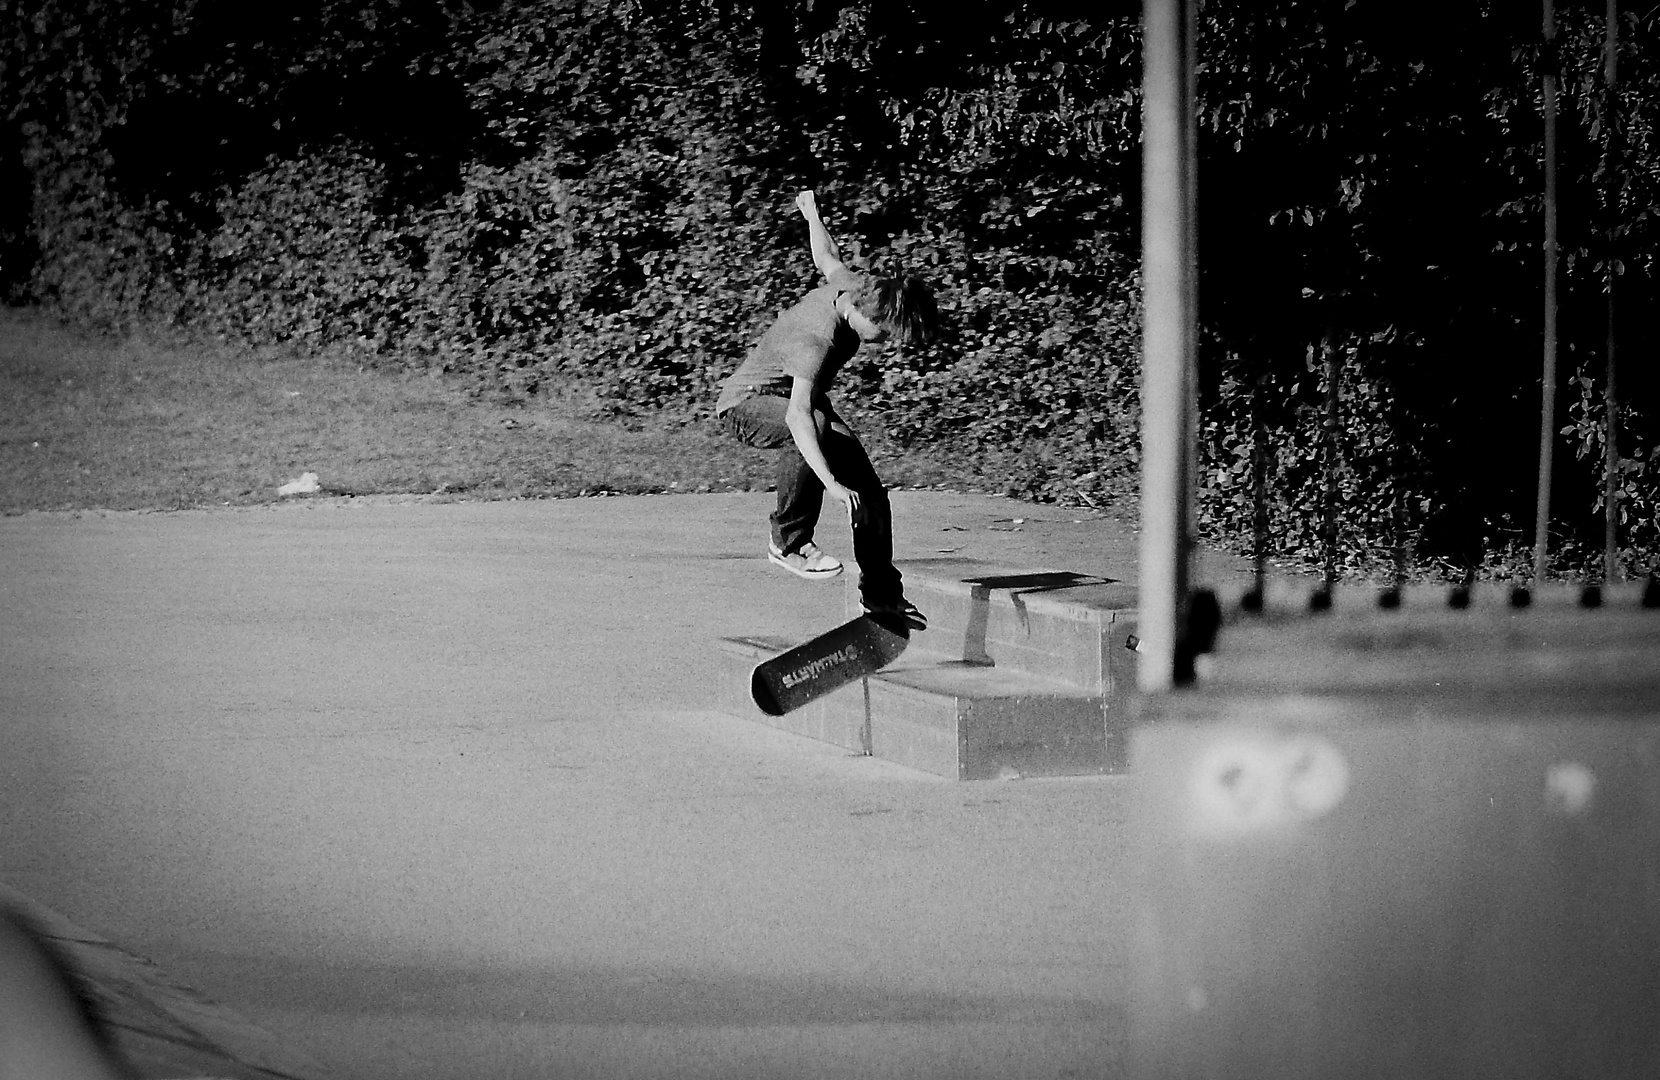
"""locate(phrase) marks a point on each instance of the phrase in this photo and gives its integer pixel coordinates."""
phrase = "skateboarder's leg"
(759, 422)
(879, 582)
(800, 498)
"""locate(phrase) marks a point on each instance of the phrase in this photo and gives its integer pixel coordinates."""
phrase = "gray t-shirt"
(809, 341)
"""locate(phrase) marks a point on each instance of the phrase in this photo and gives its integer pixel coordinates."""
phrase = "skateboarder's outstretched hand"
(850, 499)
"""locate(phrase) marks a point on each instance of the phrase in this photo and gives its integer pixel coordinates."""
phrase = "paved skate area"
(413, 789)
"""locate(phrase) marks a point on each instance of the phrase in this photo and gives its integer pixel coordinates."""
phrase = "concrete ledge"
(971, 723)
(1021, 672)
(1052, 624)
(961, 721)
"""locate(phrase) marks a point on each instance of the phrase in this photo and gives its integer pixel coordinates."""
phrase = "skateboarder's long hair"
(904, 307)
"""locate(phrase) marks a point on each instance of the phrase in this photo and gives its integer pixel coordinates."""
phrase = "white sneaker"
(806, 562)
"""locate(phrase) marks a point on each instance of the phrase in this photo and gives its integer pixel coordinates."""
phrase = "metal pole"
(1611, 401)
(1547, 382)
(1331, 453)
(1169, 332)
(1259, 486)
(1611, 458)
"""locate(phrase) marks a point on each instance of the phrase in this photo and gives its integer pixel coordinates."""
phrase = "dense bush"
(302, 254)
(1272, 462)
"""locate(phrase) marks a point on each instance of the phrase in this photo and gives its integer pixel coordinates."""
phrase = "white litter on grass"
(305, 485)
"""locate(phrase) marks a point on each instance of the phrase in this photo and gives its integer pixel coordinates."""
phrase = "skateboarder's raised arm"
(827, 255)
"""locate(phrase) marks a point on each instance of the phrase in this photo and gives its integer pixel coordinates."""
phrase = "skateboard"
(835, 658)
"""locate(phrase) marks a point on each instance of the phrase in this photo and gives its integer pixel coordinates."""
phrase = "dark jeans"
(758, 421)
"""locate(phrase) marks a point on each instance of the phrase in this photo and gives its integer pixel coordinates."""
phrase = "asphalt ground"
(410, 788)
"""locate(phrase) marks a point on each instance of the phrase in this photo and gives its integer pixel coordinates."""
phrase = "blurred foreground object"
(1404, 836)
(46, 1029)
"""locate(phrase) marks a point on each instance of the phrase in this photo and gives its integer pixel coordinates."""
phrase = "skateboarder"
(778, 399)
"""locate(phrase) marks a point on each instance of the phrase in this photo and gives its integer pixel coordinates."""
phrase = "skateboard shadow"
(1039, 582)
(1035, 581)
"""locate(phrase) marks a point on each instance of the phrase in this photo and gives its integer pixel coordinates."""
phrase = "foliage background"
(557, 195)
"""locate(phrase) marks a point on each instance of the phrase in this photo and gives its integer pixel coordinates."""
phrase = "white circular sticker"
(1249, 782)
(1569, 787)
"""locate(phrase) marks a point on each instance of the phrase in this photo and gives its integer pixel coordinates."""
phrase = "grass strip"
(90, 422)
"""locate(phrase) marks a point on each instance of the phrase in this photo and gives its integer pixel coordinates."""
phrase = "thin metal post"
(1611, 400)
(1259, 486)
(1169, 331)
(1611, 447)
(1547, 381)
(1331, 451)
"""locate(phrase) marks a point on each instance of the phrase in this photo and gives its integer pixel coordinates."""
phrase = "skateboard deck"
(835, 658)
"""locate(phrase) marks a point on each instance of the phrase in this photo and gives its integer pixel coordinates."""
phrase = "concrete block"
(1052, 624)
(962, 721)
(977, 723)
